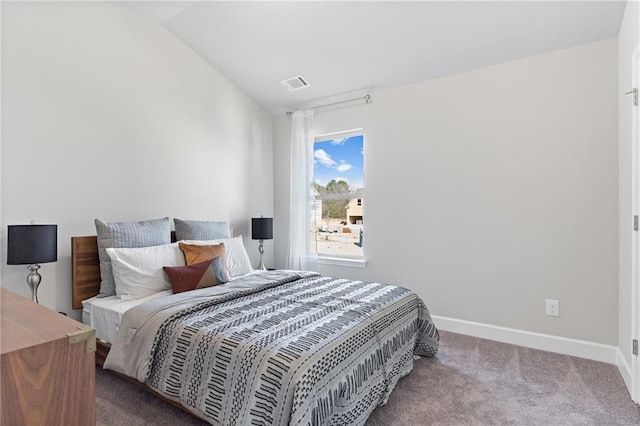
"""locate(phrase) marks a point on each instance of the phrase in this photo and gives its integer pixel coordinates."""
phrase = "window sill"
(341, 261)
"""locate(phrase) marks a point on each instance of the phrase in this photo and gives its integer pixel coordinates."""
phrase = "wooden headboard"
(85, 268)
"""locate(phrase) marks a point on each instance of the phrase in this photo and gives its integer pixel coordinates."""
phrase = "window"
(337, 218)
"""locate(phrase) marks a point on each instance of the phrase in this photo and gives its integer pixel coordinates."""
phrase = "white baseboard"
(624, 368)
(545, 342)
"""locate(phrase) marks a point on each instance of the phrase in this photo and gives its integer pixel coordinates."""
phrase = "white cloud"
(324, 158)
(343, 166)
(340, 141)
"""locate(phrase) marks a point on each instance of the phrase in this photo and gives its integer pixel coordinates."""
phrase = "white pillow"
(138, 271)
(238, 262)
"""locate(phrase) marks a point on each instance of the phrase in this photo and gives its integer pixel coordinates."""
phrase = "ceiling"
(342, 48)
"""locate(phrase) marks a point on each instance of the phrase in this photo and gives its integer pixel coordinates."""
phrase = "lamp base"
(261, 250)
(33, 279)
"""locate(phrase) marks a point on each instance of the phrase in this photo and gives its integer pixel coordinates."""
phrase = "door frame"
(635, 278)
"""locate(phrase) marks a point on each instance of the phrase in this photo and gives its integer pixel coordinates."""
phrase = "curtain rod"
(367, 99)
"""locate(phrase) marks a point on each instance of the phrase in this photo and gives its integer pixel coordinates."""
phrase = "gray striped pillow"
(145, 233)
(200, 230)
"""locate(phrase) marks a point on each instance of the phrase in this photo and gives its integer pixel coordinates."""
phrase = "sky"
(340, 159)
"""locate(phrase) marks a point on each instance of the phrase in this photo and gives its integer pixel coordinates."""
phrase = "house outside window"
(337, 218)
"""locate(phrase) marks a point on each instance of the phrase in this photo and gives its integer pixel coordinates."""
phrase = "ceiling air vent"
(295, 83)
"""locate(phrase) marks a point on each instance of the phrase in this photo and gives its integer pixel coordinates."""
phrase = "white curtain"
(300, 195)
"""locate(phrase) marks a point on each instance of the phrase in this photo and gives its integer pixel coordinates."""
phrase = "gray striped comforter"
(278, 348)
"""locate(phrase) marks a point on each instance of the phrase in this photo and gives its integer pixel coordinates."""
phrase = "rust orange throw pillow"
(198, 275)
(194, 253)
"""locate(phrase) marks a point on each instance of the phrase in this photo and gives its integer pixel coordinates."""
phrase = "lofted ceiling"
(343, 48)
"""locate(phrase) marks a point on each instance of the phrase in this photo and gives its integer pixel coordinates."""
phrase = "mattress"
(105, 314)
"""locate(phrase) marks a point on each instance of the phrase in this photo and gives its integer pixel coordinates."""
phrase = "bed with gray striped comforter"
(277, 348)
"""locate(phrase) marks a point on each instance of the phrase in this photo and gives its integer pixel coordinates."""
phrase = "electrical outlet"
(553, 308)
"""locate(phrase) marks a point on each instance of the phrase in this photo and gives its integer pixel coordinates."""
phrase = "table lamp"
(261, 229)
(31, 245)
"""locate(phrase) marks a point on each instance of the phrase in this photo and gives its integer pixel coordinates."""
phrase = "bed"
(275, 347)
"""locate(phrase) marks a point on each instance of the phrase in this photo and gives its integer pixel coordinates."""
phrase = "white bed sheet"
(105, 314)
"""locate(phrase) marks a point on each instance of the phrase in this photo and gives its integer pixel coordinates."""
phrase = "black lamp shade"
(262, 228)
(29, 244)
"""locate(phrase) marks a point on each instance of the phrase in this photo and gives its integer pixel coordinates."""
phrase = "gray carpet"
(471, 382)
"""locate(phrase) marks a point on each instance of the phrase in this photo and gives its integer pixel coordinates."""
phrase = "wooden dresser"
(46, 366)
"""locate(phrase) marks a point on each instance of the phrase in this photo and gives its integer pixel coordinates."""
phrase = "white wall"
(628, 41)
(106, 114)
(511, 174)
